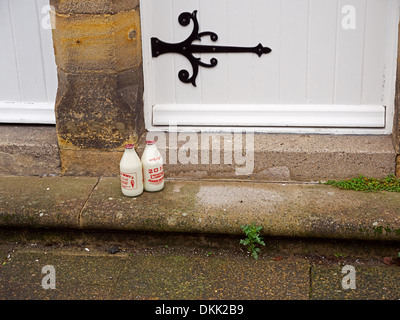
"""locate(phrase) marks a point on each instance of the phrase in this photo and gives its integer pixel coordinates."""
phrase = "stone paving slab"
(76, 277)
(197, 272)
(176, 277)
(370, 283)
(185, 277)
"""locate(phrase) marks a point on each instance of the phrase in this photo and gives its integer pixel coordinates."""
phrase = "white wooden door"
(28, 75)
(332, 66)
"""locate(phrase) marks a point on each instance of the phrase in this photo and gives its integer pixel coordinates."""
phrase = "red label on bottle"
(156, 175)
(155, 158)
(129, 181)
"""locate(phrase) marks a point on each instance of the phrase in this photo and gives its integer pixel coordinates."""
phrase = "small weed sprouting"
(253, 239)
(390, 183)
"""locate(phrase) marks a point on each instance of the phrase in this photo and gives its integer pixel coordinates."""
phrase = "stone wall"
(99, 104)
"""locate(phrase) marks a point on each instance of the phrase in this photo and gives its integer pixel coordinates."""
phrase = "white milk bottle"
(131, 172)
(153, 168)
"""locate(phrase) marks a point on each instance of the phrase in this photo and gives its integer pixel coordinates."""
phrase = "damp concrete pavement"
(135, 266)
(183, 242)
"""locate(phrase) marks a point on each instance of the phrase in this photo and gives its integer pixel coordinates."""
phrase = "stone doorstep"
(210, 207)
(274, 157)
(27, 150)
(33, 150)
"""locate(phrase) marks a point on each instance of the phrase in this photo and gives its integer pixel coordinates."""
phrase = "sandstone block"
(100, 43)
(99, 111)
(93, 6)
(89, 163)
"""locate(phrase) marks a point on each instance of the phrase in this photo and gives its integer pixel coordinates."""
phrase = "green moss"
(390, 183)
(378, 230)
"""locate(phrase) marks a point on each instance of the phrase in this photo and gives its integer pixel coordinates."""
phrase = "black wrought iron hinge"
(187, 48)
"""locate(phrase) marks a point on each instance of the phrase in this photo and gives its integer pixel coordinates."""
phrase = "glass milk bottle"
(153, 168)
(131, 172)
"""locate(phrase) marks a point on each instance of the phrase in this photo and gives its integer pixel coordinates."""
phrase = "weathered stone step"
(29, 150)
(207, 207)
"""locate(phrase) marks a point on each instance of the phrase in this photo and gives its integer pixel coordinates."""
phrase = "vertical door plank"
(50, 68)
(214, 81)
(29, 52)
(374, 52)
(161, 26)
(185, 93)
(322, 51)
(391, 61)
(349, 55)
(9, 80)
(294, 52)
(240, 33)
(267, 31)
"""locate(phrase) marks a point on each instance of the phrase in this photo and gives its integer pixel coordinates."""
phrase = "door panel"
(28, 84)
(317, 63)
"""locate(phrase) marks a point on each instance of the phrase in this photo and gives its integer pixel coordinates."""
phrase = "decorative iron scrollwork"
(187, 48)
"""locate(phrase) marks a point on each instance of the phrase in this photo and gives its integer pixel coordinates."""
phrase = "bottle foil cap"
(129, 146)
(150, 142)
